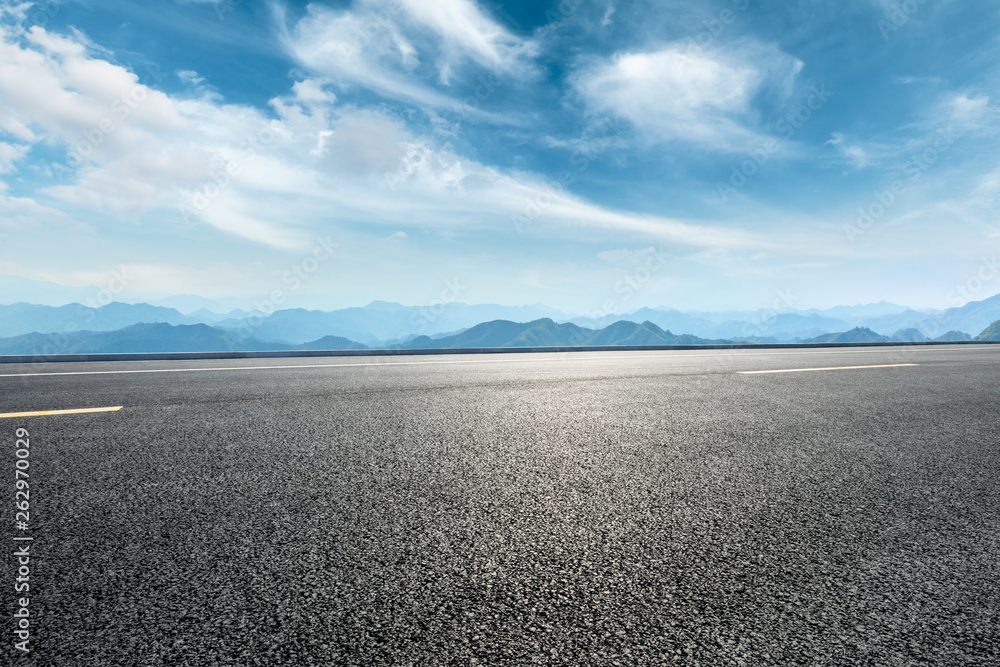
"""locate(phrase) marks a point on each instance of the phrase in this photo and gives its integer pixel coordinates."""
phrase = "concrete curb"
(279, 354)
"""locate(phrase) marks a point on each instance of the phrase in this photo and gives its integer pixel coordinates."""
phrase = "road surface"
(598, 508)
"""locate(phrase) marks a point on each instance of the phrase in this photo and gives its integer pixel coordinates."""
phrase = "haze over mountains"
(120, 327)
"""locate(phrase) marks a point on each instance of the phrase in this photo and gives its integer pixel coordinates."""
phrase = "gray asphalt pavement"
(553, 509)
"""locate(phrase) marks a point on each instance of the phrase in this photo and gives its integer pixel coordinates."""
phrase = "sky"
(593, 156)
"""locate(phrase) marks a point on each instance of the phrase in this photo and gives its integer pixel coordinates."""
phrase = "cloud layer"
(529, 147)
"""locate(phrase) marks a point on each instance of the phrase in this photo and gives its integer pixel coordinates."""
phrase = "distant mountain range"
(375, 324)
(75, 327)
(23, 318)
(203, 338)
(382, 323)
(156, 338)
(798, 325)
(545, 333)
(162, 337)
(866, 335)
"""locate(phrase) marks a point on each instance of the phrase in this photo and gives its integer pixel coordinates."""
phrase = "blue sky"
(590, 155)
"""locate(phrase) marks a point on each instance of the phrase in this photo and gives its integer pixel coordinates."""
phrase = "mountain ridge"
(543, 332)
(386, 323)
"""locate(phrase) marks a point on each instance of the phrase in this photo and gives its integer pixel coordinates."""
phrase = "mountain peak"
(384, 305)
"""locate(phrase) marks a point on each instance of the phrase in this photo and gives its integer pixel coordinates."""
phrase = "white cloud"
(951, 116)
(312, 91)
(608, 16)
(363, 49)
(17, 11)
(236, 215)
(379, 45)
(457, 191)
(17, 129)
(855, 155)
(190, 77)
(679, 94)
(57, 92)
(467, 32)
(26, 213)
(970, 113)
(11, 153)
(962, 112)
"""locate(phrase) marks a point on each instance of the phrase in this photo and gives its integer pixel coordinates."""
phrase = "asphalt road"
(583, 509)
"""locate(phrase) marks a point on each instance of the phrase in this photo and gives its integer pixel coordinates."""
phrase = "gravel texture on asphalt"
(570, 509)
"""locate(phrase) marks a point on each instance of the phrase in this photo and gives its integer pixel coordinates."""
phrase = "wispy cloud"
(676, 94)
(467, 32)
(855, 155)
(384, 47)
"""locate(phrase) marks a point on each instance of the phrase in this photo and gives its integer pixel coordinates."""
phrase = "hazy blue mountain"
(823, 338)
(849, 314)
(330, 343)
(629, 333)
(970, 318)
(22, 318)
(856, 335)
(297, 325)
(155, 338)
(992, 332)
(188, 304)
(806, 335)
(210, 317)
(750, 324)
(502, 333)
(671, 319)
(908, 319)
(953, 336)
(382, 321)
(917, 336)
(403, 341)
(861, 335)
(134, 338)
(784, 326)
(855, 314)
(909, 336)
(546, 332)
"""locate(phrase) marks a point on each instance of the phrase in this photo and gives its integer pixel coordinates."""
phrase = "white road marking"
(46, 413)
(831, 368)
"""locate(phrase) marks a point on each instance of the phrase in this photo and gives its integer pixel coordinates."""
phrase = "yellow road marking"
(45, 413)
(831, 368)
